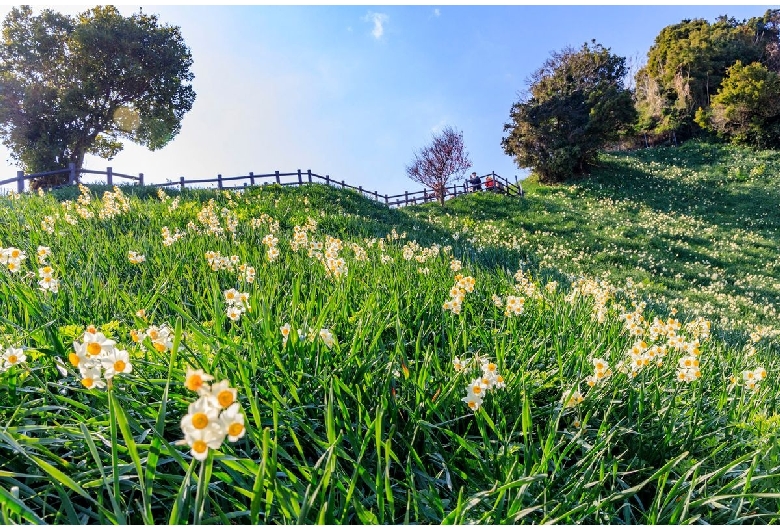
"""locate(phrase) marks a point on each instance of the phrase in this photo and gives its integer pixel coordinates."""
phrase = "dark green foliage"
(688, 62)
(577, 104)
(747, 108)
(76, 85)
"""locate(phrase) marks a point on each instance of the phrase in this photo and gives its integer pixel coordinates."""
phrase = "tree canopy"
(746, 110)
(577, 103)
(688, 62)
(76, 85)
(445, 159)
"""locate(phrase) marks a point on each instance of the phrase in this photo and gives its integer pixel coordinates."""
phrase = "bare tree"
(441, 162)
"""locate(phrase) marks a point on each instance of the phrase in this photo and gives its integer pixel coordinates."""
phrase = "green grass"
(374, 429)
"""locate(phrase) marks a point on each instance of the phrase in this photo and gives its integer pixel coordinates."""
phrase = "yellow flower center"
(225, 398)
(73, 358)
(235, 429)
(194, 382)
(91, 329)
(199, 446)
(153, 334)
(200, 421)
(476, 389)
(120, 366)
(159, 346)
(94, 348)
(12, 359)
(87, 382)
(15, 253)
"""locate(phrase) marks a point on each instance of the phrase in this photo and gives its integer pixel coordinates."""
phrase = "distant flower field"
(279, 355)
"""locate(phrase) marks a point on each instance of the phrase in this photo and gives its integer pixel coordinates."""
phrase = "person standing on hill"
(476, 182)
(489, 183)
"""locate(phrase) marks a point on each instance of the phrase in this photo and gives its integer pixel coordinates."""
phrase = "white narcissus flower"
(232, 422)
(97, 343)
(201, 415)
(117, 362)
(223, 394)
(195, 380)
(12, 357)
(91, 377)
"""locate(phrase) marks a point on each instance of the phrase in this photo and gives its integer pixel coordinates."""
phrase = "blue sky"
(353, 91)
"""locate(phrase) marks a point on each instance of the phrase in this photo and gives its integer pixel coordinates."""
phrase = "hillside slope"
(369, 365)
(695, 228)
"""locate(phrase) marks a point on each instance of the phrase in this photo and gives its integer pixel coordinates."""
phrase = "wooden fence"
(297, 178)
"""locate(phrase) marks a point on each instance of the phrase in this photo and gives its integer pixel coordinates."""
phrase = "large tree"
(441, 162)
(577, 103)
(746, 110)
(688, 62)
(76, 85)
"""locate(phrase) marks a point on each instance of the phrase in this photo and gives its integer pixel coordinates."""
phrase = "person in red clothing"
(489, 183)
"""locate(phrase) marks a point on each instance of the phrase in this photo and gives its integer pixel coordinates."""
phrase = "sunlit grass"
(371, 427)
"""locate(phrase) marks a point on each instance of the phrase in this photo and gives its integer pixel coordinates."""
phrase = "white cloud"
(436, 12)
(379, 20)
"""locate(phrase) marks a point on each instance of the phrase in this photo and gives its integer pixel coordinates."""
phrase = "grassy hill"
(694, 228)
(487, 363)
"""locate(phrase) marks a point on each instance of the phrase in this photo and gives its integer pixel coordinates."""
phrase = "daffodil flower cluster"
(219, 262)
(48, 282)
(168, 238)
(161, 337)
(211, 418)
(11, 357)
(359, 252)
(12, 258)
(114, 204)
(600, 291)
(271, 242)
(514, 305)
(489, 380)
(572, 399)
(463, 285)
(601, 371)
(455, 265)
(688, 369)
(209, 218)
(135, 258)
(98, 358)
(265, 219)
(751, 378)
(335, 265)
(413, 250)
(300, 238)
(325, 334)
(47, 224)
(237, 304)
(526, 285)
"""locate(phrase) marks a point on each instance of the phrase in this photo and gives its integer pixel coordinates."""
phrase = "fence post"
(360, 189)
(327, 180)
(109, 176)
(277, 177)
(406, 198)
(300, 179)
(219, 181)
(72, 177)
(386, 200)
(342, 184)
(181, 183)
(140, 179)
(308, 172)
(20, 181)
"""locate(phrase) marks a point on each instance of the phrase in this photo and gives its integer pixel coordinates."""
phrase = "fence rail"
(501, 185)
